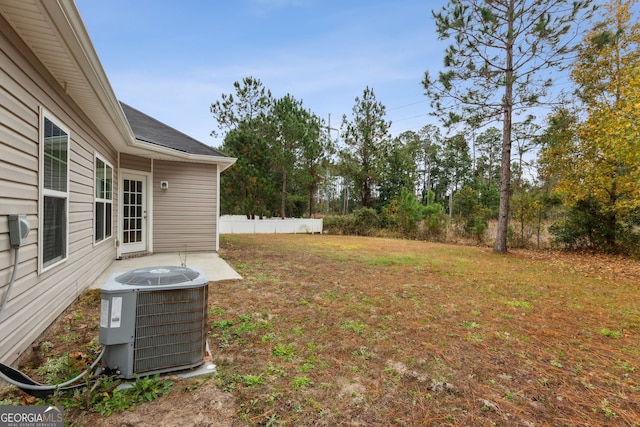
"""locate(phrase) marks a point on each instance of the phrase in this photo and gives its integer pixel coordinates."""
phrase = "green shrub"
(434, 221)
(365, 222)
(411, 219)
(470, 214)
(410, 213)
(477, 227)
(589, 225)
(340, 224)
(404, 215)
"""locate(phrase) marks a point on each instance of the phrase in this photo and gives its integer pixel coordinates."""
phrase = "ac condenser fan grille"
(170, 329)
(154, 276)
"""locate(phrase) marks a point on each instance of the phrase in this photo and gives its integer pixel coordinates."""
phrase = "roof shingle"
(148, 129)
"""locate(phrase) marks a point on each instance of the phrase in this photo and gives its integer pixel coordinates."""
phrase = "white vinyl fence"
(240, 224)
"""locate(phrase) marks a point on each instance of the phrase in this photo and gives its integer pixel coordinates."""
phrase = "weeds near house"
(353, 326)
(470, 325)
(519, 304)
(217, 311)
(102, 396)
(250, 380)
(107, 398)
(609, 334)
(300, 382)
(284, 351)
(54, 368)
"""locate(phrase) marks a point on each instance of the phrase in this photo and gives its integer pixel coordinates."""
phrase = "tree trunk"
(312, 191)
(505, 180)
(284, 196)
(612, 219)
(505, 173)
(366, 194)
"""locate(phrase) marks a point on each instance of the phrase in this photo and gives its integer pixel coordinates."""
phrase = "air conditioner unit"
(153, 320)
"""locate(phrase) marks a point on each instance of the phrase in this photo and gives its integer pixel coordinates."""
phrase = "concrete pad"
(214, 267)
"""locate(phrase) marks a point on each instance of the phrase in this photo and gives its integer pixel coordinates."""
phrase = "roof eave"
(80, 46)
(164, 153)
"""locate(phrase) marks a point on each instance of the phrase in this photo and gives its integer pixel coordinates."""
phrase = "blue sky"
(172, 59)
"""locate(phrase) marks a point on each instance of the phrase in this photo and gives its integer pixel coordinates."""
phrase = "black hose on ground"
(33, 388)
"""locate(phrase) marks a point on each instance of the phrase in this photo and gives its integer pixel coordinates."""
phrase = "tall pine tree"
(366, 137)
(496, 66)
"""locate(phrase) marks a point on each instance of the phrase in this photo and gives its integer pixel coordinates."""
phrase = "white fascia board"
(163, 153)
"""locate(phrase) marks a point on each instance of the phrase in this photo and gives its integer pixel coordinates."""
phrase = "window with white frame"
(55, 192)
(103, 199)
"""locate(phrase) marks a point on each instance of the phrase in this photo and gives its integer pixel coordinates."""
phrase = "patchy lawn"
(335, 330)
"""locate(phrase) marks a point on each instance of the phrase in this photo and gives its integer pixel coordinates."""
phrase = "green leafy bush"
(404, 215)
(366, 221)
(590, 225)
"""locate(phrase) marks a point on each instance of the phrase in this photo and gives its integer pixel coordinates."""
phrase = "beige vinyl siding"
(128, 161)
(38, 298)
(186, 212)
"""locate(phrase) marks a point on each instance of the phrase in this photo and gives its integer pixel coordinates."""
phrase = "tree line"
(578, 168)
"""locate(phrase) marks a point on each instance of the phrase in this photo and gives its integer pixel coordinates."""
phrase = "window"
(55, 193)
(103, 199)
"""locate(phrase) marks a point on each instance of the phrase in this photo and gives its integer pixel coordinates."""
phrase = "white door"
(134, 213)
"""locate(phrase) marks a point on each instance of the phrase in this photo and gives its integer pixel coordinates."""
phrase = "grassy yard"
(335, 330)
(328, 330)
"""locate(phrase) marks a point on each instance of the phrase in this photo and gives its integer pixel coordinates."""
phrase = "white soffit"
(54, 32)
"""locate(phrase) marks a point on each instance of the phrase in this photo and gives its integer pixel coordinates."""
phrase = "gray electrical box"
(18, 230)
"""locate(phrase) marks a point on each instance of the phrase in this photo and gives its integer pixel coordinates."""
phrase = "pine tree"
(496, 66)
(366, 137)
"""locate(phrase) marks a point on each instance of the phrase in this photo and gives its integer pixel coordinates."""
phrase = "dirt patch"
(328, 330)
(206, 406)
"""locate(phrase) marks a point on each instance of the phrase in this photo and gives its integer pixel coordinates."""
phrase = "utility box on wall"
(18, 230)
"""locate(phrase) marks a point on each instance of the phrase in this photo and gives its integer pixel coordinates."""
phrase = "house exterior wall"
(185, 213)
(39, 296)
(128, 161)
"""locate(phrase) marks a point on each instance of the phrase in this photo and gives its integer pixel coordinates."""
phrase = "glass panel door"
(134, 214)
